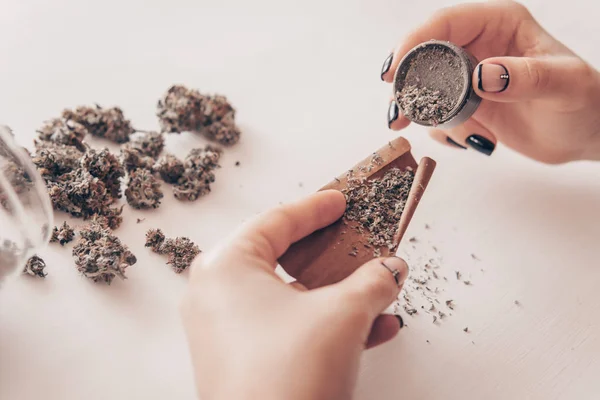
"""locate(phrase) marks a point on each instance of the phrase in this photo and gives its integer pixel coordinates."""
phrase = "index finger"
(269, 235)
(461, 25)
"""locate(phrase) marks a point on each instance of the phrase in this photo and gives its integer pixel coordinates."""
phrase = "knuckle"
(518, 8)
(538, 74)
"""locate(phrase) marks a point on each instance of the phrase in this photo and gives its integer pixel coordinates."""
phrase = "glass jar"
(26, 217)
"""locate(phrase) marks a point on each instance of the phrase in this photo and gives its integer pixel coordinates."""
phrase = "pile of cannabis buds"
(86, 182)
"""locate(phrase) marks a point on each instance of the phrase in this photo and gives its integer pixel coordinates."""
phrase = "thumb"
(372, 287)
(511, 79)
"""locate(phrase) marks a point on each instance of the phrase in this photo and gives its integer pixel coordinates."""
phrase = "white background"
(304, 76)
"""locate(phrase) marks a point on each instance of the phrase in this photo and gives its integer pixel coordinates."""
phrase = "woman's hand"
(254, 337)
(547, 109)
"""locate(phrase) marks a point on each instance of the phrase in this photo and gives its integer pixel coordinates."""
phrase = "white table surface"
(304, 78)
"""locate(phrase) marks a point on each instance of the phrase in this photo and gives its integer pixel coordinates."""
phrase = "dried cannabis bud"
(154, 239)
(53, 160)
(105, 166)
(80, 194)
(217, 107)
(181, 110)
(181, 251)
(169, 167)
(63, 131)
(193, 184)
(133, 158)
(377, 204)
(35, 267)
(63, 234)
(101, 256)
(109, 123)
(224, 132)
(110, 218)
(150, 144)
(143, 190)
(203, 159)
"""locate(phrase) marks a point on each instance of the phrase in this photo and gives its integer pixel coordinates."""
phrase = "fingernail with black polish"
(401, 321)
(492, 78)
(393, 113)
(453, 143)
(386, 65)
(481, 144)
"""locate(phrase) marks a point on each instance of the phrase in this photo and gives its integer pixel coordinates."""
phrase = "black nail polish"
(481, 144)
(393, 113)
(453, 143)
(479, 80)
(386, 65)
(401, 321)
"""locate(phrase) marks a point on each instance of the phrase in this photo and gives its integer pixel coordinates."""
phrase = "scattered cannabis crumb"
(63, 234)
(181, 251)
(140, 220)
(63, 131)
(237, 163)
(474, 257)
(143, 190)
(377, 204)
(35, 267)
(466, 329)
(109, 123)
(100, 256)
(413, 240)
(517, 303)
(450, 304)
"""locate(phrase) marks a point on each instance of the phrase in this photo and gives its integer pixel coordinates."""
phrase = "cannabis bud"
(203, 159)
(63, 131)
(169, 167)
(101, 256)
(143, 190)
(224, 132)
(105, 166)
(150, 144)
(154, 239)
(217, 108)
(181, 110)
(109, 123)
(133, 158)
(181, 251)
(80, 194)
(193, 185)
(62, 235)
(35, 267)
(53, 160)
